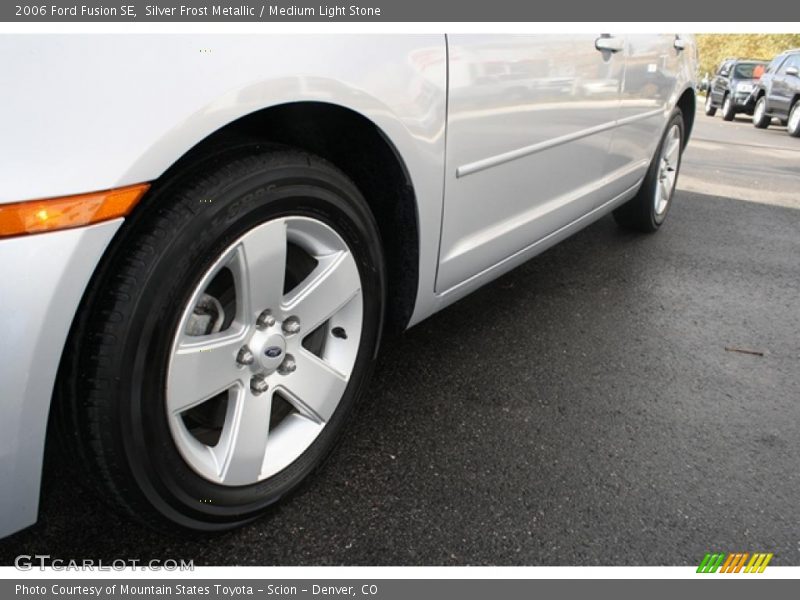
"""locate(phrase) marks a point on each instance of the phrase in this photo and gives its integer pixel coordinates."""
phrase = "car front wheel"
(647, 210)
(710, 109)
(226, 339)
(793, 124)
(728, 110)
(760, 118)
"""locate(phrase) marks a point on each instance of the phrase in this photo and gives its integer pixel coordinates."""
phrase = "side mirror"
(792, 71)
(724, 73)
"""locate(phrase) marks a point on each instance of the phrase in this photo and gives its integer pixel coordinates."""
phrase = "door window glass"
(792, 61)
(745, 70)
(775, 64)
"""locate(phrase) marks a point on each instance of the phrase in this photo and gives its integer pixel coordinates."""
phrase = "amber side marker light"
(36, 216)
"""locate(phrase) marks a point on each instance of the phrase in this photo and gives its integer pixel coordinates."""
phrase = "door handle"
(608, 43)
(679, 44)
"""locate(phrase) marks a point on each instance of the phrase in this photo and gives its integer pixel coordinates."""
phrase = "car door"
(719, 84)
(784, 84)
(530, 121)
(765, 82)
(652, 68)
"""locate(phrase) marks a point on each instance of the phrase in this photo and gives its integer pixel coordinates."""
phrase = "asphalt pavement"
(736, 160)
(621, 399)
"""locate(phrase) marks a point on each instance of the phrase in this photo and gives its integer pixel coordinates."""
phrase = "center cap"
(271, 352)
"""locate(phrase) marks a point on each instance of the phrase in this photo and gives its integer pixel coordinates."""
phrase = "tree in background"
(714, 47)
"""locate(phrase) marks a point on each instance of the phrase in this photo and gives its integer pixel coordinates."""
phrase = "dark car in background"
(731, 87)
(777, 94)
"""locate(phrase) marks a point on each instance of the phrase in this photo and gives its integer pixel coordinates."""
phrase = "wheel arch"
(343, 137)
(361, 149)
(687, 102)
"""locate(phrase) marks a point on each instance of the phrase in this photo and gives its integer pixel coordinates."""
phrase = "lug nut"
(245, 356)
(265, 319)
(291, 325)
(288, 365)
(258, 384)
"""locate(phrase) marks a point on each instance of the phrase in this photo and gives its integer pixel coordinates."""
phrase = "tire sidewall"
(652, 176)
(792, 113)
(763, 121)
(709, 106)
(728, 111)
(168, 483)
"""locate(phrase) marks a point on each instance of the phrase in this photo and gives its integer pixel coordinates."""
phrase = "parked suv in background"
(201, 265)
(731, 87)
(777, 93)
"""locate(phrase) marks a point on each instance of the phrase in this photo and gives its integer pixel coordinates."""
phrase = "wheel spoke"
(672, 150)
(670, 183)
(657, 195)
(664, 193)
(244, 454)
(260, 269)
(325, 291)
(314, 388)
(200, 370)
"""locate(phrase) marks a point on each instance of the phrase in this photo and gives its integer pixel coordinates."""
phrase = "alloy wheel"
(669, 163)
(793, 125)
(264, 350)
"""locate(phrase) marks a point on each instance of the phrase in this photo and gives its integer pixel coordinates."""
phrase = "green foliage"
(714, 47)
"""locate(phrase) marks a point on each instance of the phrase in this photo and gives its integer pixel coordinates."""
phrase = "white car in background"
(203, 237)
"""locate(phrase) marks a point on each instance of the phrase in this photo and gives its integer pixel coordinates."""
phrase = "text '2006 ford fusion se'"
(203, 237)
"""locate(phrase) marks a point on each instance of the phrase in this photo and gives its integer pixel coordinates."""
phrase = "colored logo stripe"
(710, 563)
(734, 561)
(758, 563)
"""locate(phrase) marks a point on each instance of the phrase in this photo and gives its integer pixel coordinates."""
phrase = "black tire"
(793, 123)
(728, 109)
(709, 107)
(762, 121)
(112, 383)
(639, 213)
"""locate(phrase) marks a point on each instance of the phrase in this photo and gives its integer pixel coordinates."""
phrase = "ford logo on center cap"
(273, 352)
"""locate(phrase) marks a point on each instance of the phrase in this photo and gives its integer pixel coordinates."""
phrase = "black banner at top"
(394, 11)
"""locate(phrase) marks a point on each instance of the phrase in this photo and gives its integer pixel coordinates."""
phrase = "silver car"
(204, 237)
